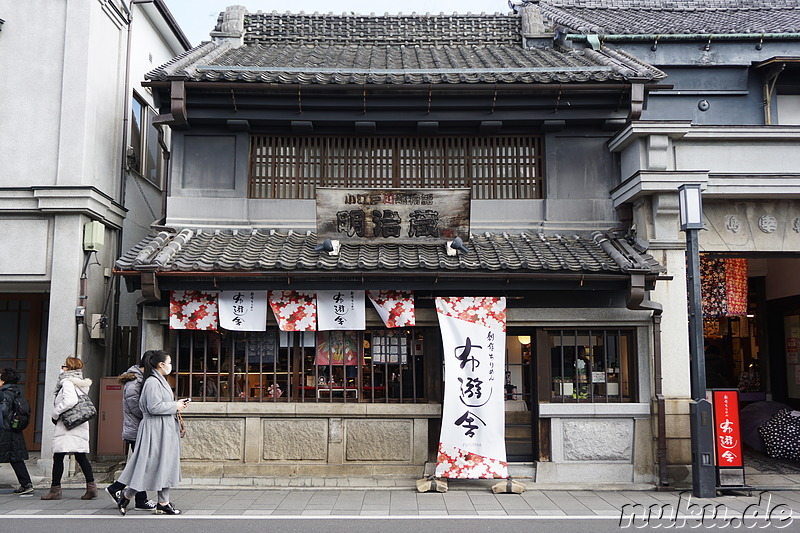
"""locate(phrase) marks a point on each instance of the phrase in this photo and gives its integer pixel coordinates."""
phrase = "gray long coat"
(155, 464)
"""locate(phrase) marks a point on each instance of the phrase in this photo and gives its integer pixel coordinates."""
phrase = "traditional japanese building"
(440, 155)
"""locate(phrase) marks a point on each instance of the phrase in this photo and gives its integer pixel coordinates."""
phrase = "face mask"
(167, 369)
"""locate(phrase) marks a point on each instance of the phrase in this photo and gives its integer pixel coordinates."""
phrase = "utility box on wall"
(109, 419)
(94, 234)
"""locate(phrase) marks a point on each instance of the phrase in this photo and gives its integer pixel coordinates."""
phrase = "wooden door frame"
(32, 359)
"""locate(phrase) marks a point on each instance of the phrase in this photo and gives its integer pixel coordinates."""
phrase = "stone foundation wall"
(251, 440)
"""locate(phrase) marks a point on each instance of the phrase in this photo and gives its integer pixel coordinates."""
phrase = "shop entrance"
(520, 399)
(752, 346)
(23, 334)
(751, 337)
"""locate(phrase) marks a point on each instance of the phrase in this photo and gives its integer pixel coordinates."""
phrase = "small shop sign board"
(728, 437)
(408, 216)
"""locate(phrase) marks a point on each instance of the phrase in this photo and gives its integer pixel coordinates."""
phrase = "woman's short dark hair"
(151, 359)
(9, 375)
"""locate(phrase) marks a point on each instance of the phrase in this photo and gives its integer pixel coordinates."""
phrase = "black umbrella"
(752, 417)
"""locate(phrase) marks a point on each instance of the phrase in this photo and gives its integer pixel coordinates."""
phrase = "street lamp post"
(704, 479)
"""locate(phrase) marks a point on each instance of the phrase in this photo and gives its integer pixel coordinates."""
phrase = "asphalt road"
(354, 524)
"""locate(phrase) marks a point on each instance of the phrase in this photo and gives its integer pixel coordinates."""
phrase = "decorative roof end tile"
(231, 26)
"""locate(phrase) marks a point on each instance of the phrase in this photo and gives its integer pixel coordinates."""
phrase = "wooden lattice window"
(493, 167)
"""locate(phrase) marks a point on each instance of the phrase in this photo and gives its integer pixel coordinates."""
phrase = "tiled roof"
(260, 251)
(626, 17)
(329, 49)
(382, 64)
(423, 30)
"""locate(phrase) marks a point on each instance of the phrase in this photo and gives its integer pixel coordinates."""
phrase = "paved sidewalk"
(458, 503)
(259, 502)
(307, 497)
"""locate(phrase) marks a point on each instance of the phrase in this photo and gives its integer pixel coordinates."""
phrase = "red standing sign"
(727, 431)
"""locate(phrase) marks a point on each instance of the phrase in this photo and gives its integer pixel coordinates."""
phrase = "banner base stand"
(509, 486)
(431, 484)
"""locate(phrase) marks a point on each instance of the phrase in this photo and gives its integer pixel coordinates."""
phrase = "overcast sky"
(198, 17)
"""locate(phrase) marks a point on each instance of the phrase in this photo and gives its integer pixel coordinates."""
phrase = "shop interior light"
(524, 339)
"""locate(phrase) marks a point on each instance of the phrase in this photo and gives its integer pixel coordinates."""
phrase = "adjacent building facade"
(727, 121)
(71, 101)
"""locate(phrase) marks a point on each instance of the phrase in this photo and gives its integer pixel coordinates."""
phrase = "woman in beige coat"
(71, 384)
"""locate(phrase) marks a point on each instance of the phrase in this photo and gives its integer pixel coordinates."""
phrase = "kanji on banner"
(472, 442)
(396, 308)
(193, 310)
(727, 430)
(243, 310)
(342, 310)
(294, 310)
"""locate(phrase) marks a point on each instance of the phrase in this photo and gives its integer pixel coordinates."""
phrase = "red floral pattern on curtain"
(193, 310)
(488, 311)
(723, 285)
(736, 286)
(294, 310)
(456, 463)
(396, 308)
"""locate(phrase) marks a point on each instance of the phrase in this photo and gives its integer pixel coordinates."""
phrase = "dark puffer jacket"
(12, 443)
(131, 413)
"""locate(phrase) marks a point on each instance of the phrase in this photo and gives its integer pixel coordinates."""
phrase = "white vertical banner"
(472, 443)
(341, 310)
(243, 310)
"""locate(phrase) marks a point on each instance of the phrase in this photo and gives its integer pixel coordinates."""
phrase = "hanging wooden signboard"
(393, 215)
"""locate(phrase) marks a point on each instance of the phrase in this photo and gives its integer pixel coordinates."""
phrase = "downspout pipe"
(165, 187)
(638, 301)
(582, 37)
(80, 309)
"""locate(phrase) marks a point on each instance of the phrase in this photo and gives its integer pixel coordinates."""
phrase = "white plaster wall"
(674, 325)
(25, 262)
(789, 109)
(738, 157)
(66, 269)
(31, 90)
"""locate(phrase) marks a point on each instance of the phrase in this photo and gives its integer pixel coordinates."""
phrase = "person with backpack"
(131, 382)
(71, 384)
(15, 415)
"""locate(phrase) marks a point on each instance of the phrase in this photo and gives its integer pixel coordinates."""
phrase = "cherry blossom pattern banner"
(396, 308)
(341, 310)
(243, 310)
(294, 310)
(193, 310)
(472, 441)
(723, 283)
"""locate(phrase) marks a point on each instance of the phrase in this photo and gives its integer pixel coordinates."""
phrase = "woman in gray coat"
(155, 464)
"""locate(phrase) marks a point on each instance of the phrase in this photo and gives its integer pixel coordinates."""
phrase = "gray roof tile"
(626, 17)
(269, 251)
(394, 50)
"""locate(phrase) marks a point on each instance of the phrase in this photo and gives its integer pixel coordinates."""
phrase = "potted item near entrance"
(612, 382)
(563, 387)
